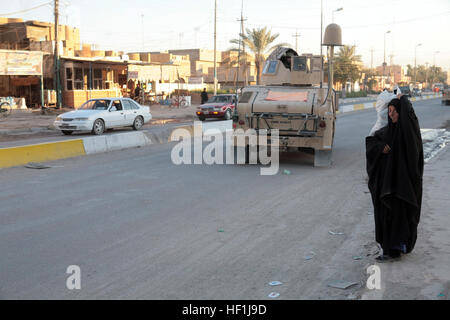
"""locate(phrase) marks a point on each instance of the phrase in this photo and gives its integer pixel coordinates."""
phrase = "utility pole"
(321, 32)
(215, 47)
(371, 58)
(241, 40)
(143, 33)
(57, 80)
(296, 36)
(415, 62)
(384, 56)
(391, 59)
(196, 30)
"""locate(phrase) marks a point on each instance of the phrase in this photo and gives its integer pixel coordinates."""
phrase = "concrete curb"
(15, 156)
(368, 105)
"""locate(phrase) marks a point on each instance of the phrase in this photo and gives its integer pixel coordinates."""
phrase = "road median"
(369, 105)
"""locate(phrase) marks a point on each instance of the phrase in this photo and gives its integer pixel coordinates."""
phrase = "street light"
(332, 14)
(415, 62)
(215, 47)
(434, 58)
(434, 63)
(384, 57)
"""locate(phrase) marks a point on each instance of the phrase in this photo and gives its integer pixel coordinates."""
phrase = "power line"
(25, 10)
(296, 36)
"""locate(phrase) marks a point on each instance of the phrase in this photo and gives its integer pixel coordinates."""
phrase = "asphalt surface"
(140, 227)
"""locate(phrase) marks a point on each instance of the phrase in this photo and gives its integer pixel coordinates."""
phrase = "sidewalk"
(424, 273)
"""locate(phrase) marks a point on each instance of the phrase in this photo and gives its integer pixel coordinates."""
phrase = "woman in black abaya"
(395, 163)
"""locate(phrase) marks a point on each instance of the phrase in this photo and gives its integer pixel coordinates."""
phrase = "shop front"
(21, 77)
(85, 79)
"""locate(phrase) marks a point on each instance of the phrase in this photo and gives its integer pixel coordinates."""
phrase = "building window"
(98, 81)
(78, 79)
(109, 79)
(69, 79)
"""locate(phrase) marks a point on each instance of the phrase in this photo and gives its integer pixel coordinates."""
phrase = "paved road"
(140, 227)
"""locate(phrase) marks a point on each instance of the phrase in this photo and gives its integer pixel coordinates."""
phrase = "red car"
(219, 106)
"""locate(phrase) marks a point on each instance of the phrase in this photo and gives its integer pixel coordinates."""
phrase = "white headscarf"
(381, 105)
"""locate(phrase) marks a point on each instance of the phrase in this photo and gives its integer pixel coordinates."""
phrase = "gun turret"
(285, 67)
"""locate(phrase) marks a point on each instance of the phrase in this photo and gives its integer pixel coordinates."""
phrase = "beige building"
(202, 66)
(227, 72)
(394, 73)
(16, 34)
(201, 60)
(163, 66)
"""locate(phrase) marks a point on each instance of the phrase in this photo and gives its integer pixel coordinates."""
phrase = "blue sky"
(174, 24)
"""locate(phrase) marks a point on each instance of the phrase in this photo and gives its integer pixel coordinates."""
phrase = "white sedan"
(97, 115)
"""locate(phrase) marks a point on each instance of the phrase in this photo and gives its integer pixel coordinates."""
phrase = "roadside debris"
(274, 295)
(335, 233)
(310, 256)
(275, 283)
(356, 257)
(341, 284)
(441, 295)
(352, 296)
(35, 165)
(220, 230)
(286, 172)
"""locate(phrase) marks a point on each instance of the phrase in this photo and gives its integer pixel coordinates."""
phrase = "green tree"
(347, 65)
(259, 42)
(424, 74)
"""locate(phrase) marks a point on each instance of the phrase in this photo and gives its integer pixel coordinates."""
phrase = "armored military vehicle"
(293, 99)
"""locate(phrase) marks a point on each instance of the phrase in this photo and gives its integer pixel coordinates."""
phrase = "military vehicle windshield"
(270, 67)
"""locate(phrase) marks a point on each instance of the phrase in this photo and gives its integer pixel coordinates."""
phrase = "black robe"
(395, 179)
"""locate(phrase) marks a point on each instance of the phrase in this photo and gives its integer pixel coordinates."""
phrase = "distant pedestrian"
(394, 155)
(204, 96)
(137, 91)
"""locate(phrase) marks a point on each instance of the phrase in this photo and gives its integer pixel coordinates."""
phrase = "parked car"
(219, 106)
(446, 96)
(417, 92)
(97, 115)
(405, 91)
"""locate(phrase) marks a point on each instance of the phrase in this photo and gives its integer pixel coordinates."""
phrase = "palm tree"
(258, 41)
(346, 66)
